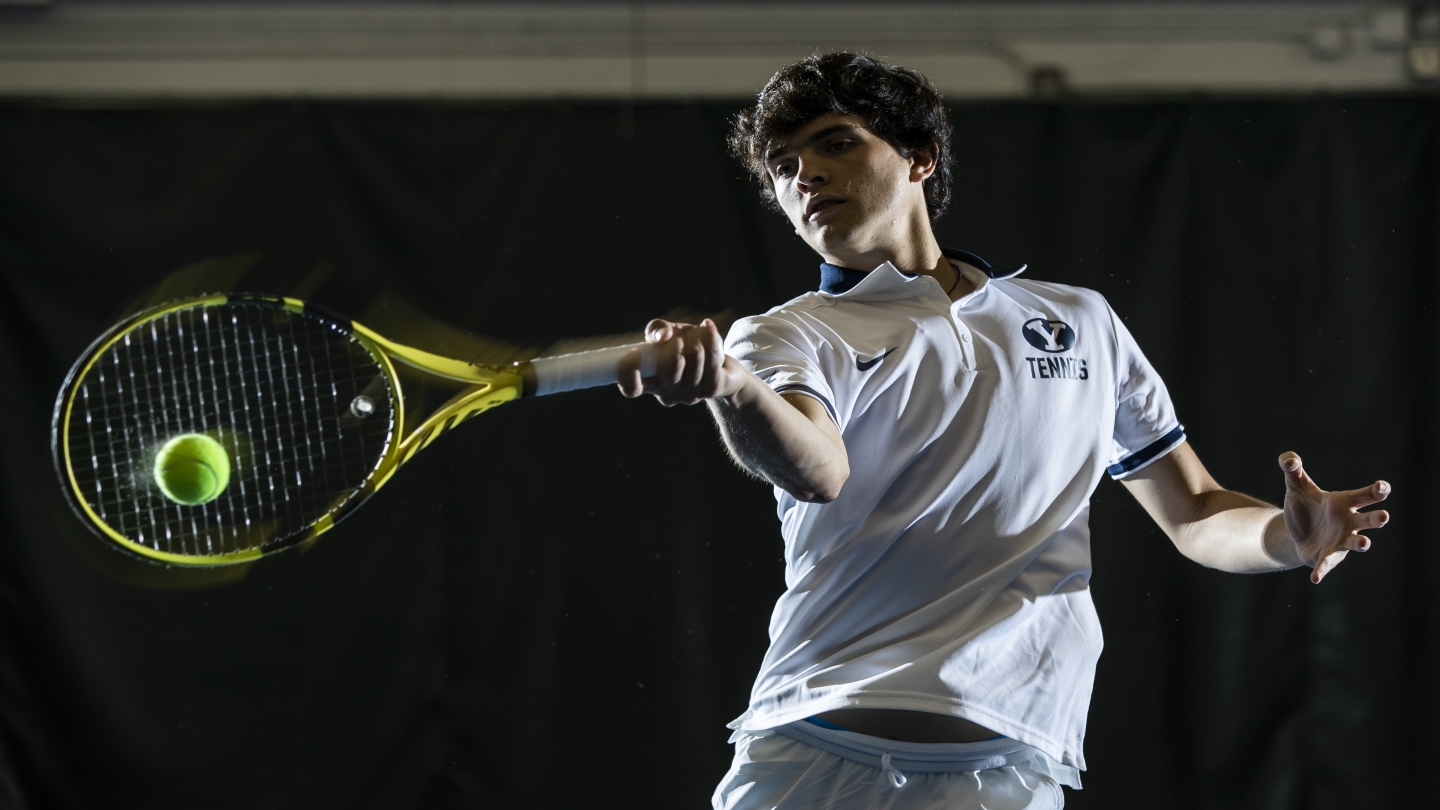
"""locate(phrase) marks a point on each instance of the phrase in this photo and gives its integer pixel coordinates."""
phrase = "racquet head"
(307, 408)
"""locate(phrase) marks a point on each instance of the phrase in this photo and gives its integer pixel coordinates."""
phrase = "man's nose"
(809, 175)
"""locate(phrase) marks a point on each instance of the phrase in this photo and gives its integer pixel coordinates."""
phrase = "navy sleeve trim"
(811, 392)
(1152, 451)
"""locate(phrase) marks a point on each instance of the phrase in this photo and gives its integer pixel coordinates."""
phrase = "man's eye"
(784, 170)
(841, 146)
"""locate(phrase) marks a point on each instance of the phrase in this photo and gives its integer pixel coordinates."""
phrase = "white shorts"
(802, 766)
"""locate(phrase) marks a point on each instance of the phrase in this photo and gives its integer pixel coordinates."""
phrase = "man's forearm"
(778, 441)
(1237, 533)
(1223, 529)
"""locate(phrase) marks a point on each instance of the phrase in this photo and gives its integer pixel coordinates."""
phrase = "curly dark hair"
(898, 104)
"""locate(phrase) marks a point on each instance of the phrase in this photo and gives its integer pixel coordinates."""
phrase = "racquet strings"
(301, 406)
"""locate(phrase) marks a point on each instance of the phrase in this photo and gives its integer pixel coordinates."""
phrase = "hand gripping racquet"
(306, 404)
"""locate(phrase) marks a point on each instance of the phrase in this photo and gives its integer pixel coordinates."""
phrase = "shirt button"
(965, 336)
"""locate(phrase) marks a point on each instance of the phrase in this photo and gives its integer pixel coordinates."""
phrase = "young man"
(934, 429)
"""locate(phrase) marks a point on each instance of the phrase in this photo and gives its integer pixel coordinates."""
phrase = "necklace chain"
(956, 282)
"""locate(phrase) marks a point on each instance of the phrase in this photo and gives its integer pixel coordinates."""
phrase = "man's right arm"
(789, 441)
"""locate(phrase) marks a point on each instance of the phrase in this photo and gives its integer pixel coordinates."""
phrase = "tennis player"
(933, 427)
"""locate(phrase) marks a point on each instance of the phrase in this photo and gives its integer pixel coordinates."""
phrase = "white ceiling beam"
(481, 50)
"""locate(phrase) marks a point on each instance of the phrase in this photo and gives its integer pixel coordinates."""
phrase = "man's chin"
(835, 240)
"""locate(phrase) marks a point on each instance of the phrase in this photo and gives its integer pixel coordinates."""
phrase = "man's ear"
(922, 162)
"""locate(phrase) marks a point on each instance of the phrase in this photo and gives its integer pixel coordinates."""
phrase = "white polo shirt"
(951, 575)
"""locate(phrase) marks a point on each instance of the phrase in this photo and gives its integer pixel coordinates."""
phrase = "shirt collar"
(838, 280)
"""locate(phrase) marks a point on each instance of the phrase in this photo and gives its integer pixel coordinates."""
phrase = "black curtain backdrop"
(563, 603)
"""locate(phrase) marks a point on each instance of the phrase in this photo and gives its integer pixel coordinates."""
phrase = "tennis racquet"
(307, 405)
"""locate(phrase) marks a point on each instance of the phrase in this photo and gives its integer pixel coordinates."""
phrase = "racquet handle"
(592, 369)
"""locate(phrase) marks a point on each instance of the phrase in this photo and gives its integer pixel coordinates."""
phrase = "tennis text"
(1058, 368)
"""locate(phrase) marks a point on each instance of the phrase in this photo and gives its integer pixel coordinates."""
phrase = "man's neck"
(913, 256)
(917, 257)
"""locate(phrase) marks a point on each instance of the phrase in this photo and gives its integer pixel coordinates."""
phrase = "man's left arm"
(1233, 532)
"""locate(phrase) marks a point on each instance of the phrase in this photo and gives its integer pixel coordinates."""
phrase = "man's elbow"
(826, 487)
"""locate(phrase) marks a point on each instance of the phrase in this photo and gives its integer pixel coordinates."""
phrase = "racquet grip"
(592, 369)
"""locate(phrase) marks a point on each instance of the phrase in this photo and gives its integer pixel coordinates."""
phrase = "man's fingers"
(629, 376)
(674, 367)
(694, 361)
(1294, 469)
(1290, 461)
(1328, 562)
(658, 330)
(681, 361)
(669, 359)
(714, 358)
(630, 384)
(1375, 493)
(1371, 520)
(688, 359)
(1357, 542)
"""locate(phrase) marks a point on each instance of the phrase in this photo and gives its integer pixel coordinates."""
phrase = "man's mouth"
(820, 205)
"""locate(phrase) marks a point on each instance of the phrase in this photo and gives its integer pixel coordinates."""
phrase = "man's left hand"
(1325, 526)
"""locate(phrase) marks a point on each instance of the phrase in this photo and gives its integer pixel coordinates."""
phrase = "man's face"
(845, 189)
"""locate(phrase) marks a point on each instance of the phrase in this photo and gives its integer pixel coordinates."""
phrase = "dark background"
(564, 603)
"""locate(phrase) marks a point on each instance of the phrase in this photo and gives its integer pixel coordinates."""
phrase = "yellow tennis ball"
(192, 469)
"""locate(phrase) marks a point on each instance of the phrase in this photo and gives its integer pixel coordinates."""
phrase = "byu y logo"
(1048, 336)
(1053, 337)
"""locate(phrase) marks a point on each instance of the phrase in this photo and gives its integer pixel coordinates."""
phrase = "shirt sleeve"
(783, 355)
(1145, 424)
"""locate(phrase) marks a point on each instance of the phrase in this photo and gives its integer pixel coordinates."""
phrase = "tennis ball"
(192, 469)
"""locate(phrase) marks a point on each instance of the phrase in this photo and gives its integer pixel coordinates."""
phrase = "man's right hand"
(690, 365)
(790, 442)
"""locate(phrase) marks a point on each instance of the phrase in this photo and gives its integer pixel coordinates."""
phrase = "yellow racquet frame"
(487, 387)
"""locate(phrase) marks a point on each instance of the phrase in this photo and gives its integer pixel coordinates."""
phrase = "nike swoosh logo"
(866, 365)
